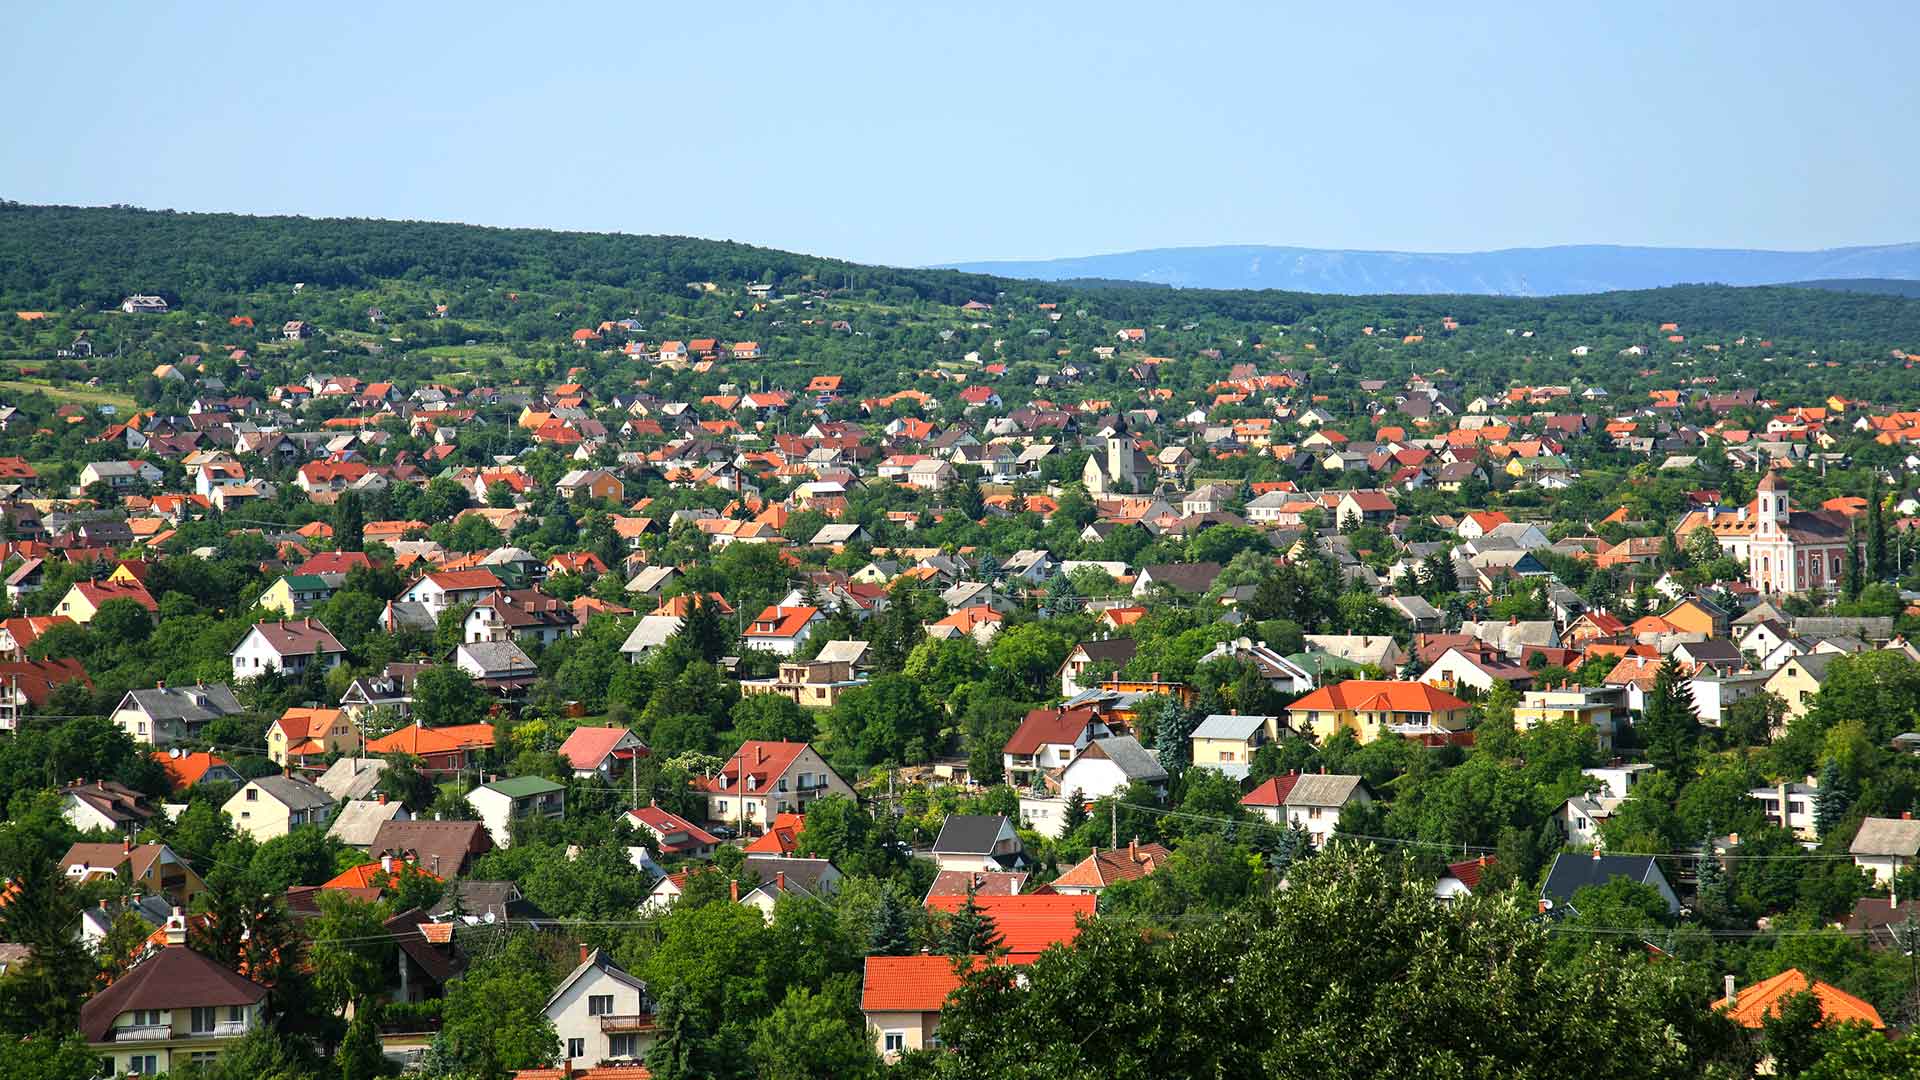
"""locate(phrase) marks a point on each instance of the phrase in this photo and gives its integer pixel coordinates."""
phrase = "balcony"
(143, 1033)
(622, 1023)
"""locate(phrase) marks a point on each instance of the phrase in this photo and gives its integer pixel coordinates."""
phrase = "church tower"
(1774, 511)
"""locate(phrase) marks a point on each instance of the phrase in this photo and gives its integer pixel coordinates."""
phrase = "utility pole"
(1113, 822)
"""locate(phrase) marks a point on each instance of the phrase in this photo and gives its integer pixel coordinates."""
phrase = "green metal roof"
(521, 787)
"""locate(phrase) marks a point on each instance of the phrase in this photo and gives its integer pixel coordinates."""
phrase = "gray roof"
(193, 704)
(1230, 726)
(1887, 836)
(1871, 627)
(478, 899)
(359, 821)
(1132, 758)
(352, 778)
(813, 876)
(1573, 871)
(969, 834)
(847, 652)
(294, 794)
(1323, 789)
(597, 959)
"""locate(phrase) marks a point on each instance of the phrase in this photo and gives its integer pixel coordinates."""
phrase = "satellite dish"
(489, 918)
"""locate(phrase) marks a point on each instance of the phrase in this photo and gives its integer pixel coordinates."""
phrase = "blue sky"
(924, 132)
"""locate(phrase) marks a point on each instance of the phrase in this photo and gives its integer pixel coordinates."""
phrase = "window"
(623, 1046)
(203, 1019)
(599, 1004)
(144, 1064)
(896, 1041)
(253, 794)
(146, 1017)
(237, 1014)
(576, 1048)
(203, 1057)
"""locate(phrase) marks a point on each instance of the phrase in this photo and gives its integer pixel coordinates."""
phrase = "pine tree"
(1671, 722)
(1879, 560)
(1856, 579)
(1171, 728)
(1834, 801)
(970, 930)
(703, 629)
(1710, 890)
(349, 523)
(1060, 596)
(1076, 814)
(891, 935)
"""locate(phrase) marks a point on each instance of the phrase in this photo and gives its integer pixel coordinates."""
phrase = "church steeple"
(1774, 509)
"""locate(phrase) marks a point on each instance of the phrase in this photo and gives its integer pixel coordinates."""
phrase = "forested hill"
(71, 258)
(1543, 271)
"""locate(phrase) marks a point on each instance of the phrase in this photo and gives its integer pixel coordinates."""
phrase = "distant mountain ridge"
(1542, 271)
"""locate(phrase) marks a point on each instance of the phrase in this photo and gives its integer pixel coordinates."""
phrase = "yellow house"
(273, 806)
(82, 601)
(293, 595)
(1798, 680)
(124, 574)
(1227, 742)
(1371, 708)
(1695, 616)
(302, 733)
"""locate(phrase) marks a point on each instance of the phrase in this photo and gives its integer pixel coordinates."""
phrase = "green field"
(79, 394)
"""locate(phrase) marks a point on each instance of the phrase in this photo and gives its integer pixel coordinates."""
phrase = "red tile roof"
(913, 983)
(187, 769)
(587, 747)
(764, 762)
(1750, 1007)
(1048, 726)
(1468, 873)
(1103, 868)
(1027, 923)
(1271, 792)
(1378, 695)
(781, 838)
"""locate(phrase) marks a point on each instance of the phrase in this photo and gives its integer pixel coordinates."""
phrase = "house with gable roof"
(1310, 801)
(601, 1013)
(764, 779)
(600, 751)
(1049, 739)
(175, 1008)
(286, 647)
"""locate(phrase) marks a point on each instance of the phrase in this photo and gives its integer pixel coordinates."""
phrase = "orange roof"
(913, 983)
(1750, 1007)
(1030, 922)
(1103, 868)
(371, 876)
(782, 838)
(781, 622)
(1378, 695)
(417, 740)
(186, 770)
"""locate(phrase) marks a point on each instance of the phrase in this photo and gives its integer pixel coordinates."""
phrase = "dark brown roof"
(176, 977)
(442, 847)
(440, 961)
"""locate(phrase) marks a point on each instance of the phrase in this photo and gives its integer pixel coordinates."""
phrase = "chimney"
(177, 928)
(1733, 995)
(780, 880)
(1483, 862)
(1133, 850)
(585, 952)
(381, 798)
(734, 890)
(1906, 815)
(126, 845)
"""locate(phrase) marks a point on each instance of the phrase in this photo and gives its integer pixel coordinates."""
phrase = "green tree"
(349, 522)
(1341, 975)
(969, 930)
(494, 1017)
(1670, 726)
(444, 695)
(815, 1035)
(1835, 799)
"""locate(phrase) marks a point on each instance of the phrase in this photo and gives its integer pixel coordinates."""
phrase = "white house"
(601, 1013)
(1885, 846)
(502, 802)
(782, 630)
(286, 647)
(1109, 766)
(1309, 801)
(1790, 806)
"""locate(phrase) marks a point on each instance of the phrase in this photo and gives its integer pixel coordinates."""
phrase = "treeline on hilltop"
(73, 256)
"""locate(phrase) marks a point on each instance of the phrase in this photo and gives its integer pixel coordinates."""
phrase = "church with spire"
(1792, 550)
